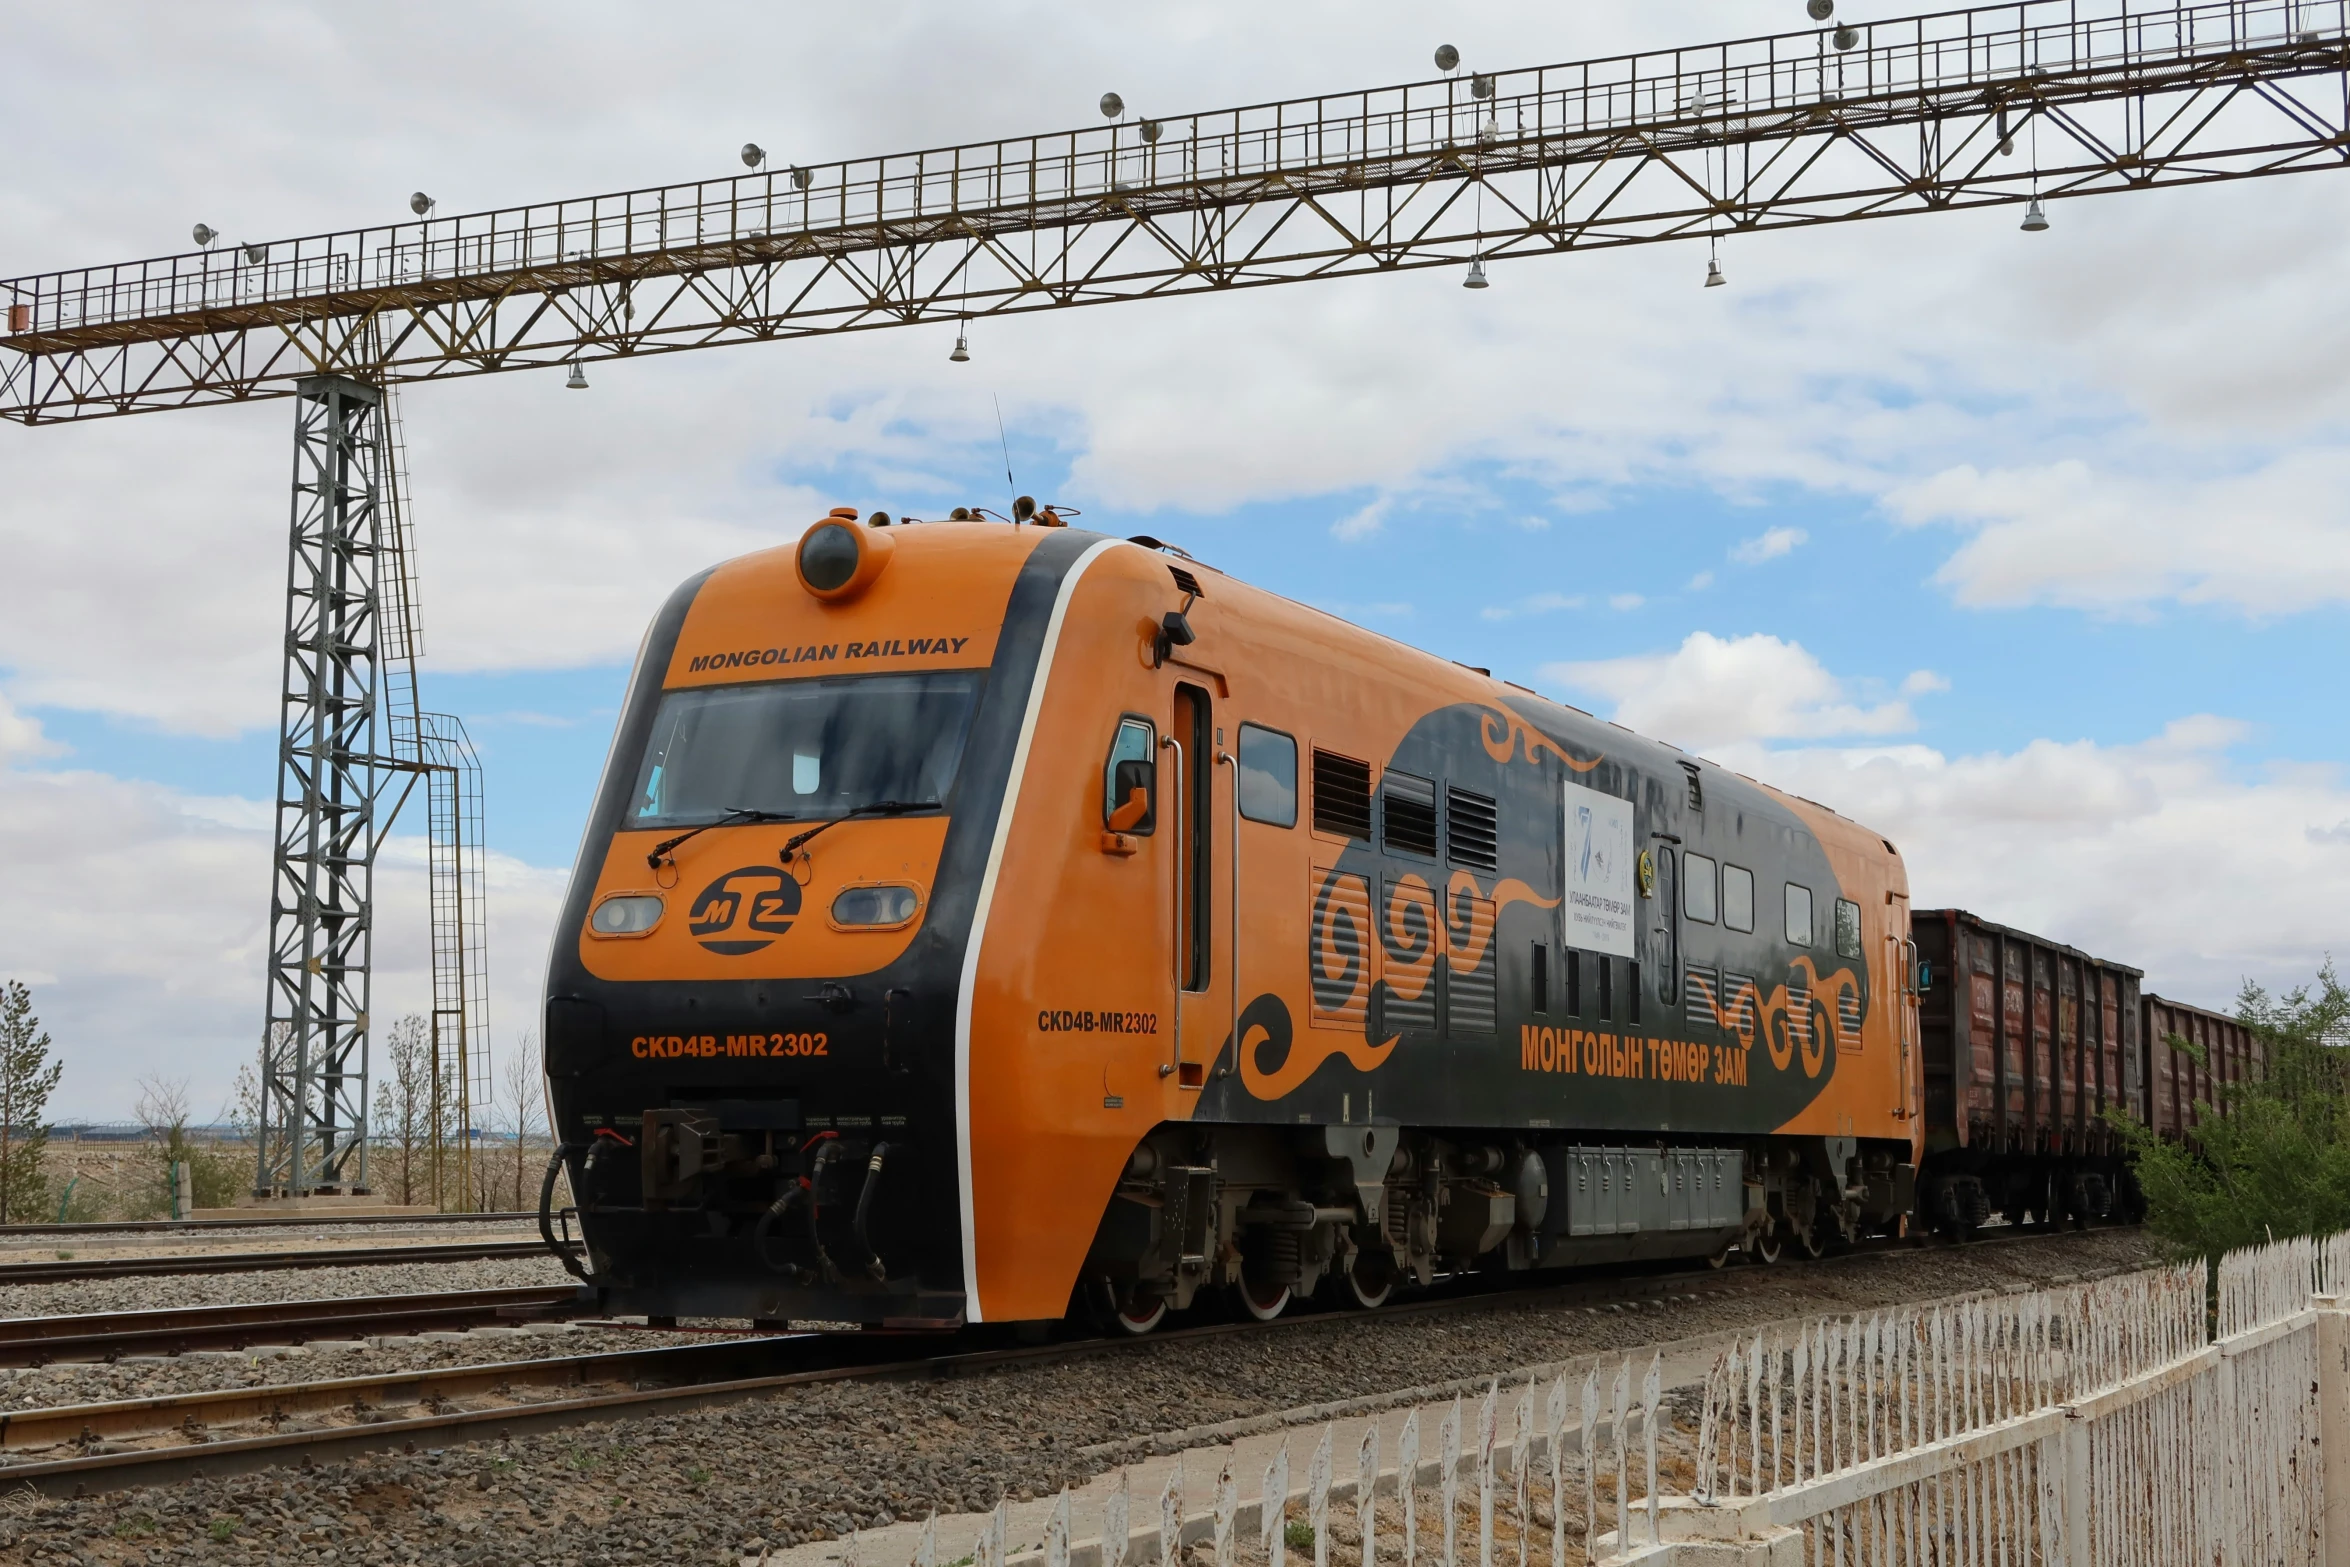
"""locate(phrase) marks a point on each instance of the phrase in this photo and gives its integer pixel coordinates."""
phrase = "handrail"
(1171, 1068)
(1234, 976)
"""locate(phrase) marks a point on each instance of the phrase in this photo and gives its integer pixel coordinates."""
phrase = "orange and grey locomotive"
(977, 920)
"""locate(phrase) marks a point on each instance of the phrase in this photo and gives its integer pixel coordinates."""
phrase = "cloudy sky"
(2030, 550)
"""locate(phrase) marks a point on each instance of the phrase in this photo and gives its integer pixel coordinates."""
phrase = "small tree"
(403, 1097)
(2275, 1161)
(526, 1091)
(27, 1078)
(215, 1174)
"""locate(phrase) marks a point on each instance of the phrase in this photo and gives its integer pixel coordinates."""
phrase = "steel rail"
(1761, 133)
(110, 1335)
(366, 1399)
(265, 1261)
(260, 1221)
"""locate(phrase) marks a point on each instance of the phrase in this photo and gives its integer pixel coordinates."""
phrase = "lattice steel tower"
(313, 1131)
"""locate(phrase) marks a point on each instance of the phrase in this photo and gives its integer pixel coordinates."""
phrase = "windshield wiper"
(798, 841)
(740, 813)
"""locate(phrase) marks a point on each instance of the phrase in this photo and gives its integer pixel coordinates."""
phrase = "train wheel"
(1139, 1314)
(1812, 1240)
(1368, 1281)
(1721, 1259)
(1769, 1246)
(1263, 1302)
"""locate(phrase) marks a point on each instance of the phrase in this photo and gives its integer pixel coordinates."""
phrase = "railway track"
(113, 1335)
(261, 1221)
(261, 1261)
(180, 1436)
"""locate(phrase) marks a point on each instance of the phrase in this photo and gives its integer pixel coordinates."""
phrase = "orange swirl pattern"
(1466, 937)
(1342, 936)
(1413, 934)
(1502, 744)
(1412, 937)
(1303, 1058)
(1793, 1025)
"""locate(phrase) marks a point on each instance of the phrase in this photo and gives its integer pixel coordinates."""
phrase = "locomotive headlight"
(874, 908)
(840, 556)
(631, 914)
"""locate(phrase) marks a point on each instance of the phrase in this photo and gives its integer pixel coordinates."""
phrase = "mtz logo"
(744, 910)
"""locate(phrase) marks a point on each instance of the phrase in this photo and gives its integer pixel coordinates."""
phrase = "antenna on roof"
(1004, 441)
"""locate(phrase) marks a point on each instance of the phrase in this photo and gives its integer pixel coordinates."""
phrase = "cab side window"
(1697, 881)
(1798, 915)
(1737, 897)
(1847, 928)
(1130, 778)
(1268, 776)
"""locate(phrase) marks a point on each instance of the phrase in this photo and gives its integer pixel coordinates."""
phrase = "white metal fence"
(2116, 1422)
(2133, 1421)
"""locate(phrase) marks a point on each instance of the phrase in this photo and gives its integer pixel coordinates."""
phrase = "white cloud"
(1700, 582)
(1923, 682)
(2158, 854)
(1713, 691)
(2269, 540)
(20, 737)
(1625, 600)
(1532, 604)
(147, 958)
(1363, 524)
(1770, 545)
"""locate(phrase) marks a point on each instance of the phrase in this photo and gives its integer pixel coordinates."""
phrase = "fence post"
(2333, 1446)
(2076, 1489)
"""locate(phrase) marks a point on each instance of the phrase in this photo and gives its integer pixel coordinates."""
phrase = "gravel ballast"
(718, 1484)
(69, 1297)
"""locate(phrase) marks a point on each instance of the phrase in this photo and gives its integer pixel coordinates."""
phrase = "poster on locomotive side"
(1599, 872)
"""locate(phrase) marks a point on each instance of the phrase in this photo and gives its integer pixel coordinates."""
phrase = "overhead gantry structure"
(2026, 103)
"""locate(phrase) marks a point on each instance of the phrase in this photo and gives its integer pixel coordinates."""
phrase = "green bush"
(76, 1201)
(2275, 1160)
(218, 1174)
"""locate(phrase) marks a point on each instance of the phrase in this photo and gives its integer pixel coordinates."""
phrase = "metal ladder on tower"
(353, 732)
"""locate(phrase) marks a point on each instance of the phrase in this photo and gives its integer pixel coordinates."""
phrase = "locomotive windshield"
(803, 749)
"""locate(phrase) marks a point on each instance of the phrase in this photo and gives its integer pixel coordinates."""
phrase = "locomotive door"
(1664, 922)
(1202, 983)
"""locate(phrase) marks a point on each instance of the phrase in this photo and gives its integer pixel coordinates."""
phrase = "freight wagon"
(2026, 1045)
(2181, 1087)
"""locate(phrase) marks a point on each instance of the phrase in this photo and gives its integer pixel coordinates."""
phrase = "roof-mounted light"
(840, 556)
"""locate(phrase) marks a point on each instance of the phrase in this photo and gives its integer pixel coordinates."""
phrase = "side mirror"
(1135, 807)
(1174, 632)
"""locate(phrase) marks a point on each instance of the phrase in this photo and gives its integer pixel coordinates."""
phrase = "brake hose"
(776, 1211)
(814, 1181)
(563, 1253)
(873, 1263)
